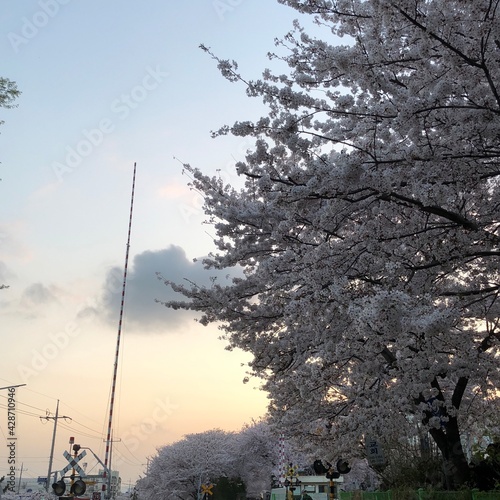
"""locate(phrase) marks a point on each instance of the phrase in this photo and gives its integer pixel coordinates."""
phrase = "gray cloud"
(143, 288)
(34, 301)
(37, 295)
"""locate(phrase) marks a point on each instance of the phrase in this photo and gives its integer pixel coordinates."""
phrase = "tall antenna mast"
(107, 457)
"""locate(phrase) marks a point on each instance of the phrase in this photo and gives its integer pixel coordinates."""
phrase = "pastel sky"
(104, 85)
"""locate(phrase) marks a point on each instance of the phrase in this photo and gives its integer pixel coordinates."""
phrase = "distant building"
(116, 484)
(311, 487)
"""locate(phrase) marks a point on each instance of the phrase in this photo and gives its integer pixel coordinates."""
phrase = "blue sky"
(104, 85)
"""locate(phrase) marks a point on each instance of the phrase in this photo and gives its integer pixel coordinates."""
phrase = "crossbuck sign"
(73, 463)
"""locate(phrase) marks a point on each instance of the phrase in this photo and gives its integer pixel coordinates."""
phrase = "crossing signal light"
(343, 466)
(319, 468)
(78, 488)
(331, 474)
(59, 487)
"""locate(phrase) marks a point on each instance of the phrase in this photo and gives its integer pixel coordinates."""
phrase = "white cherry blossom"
(368, 227)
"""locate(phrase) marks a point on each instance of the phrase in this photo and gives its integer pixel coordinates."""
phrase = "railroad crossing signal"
(206, 489)
(59, 487)
(292, 471)
(73, 463)
(77, 488)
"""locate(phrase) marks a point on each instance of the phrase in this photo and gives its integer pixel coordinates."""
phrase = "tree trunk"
(455, 467)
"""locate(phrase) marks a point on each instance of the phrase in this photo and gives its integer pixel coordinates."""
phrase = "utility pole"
(55, 418)
(108, 469)
(147, 465)
(20, 478)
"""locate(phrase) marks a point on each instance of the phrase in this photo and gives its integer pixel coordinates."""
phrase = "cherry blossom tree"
(368, 224)
(251, 456)
(179, 469)
(259, 457)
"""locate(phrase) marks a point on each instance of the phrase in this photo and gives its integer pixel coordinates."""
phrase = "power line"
(66, 427)
(47, 413)
(131, 454)
(22, 412)
(24, 404)
(89, 428)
